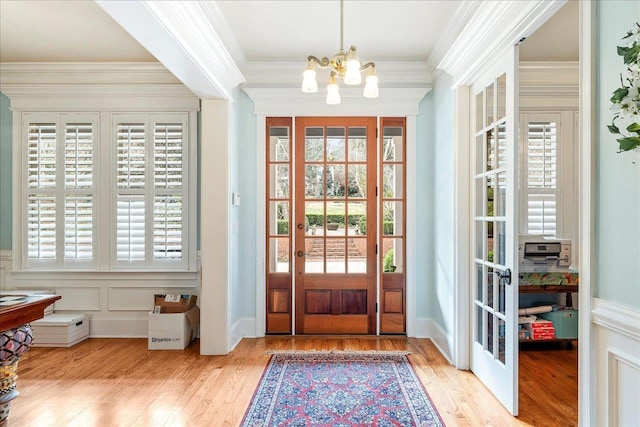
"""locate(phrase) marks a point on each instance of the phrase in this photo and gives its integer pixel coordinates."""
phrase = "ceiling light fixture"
(347, 66)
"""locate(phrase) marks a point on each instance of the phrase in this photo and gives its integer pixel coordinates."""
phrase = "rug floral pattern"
(340, 389)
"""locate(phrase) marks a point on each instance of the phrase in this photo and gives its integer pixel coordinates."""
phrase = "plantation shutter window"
(60, 190)
(541, 177)
(151, 190)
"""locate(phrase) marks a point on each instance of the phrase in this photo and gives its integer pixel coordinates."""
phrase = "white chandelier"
(347, 66)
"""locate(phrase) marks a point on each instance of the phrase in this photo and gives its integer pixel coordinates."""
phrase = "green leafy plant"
(387, 262)
(625, 101)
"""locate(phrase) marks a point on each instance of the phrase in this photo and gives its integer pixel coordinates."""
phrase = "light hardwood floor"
(118, 382)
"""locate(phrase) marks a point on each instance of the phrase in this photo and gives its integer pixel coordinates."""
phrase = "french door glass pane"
(501, 253)
(501, 147)
(279, 254)
(357, 181)
(314, 213)
(490, 196)
(490, 291)
(393, 255)
(357, 145)
(480, 149)
(314, 255)
(279, 177)
(279, 144)
(490, 104)
(392, 219)
(501, 340)
(356, 255)
(501, 195)
(491, 150)
(314, 182)
(279, 218)
(336, 255)
(392, 144)
(357, 212)
(480, 123)
(336, 219)
(314, 144)
(335, 145)
(335, 181)
(479, 273)
(479, 240)
(490, 332)
(392, 185)
(479, 316)
(502, 97)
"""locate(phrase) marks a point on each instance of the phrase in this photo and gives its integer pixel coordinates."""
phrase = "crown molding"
(494, 27)
(94, 87)
(293, 102)
(37, 73)
(460, 19)
(289, 74)
(183, 38)
(554, 84)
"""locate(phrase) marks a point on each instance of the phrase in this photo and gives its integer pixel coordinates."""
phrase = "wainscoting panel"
(117, 303)
(78, 299)
(617, 333)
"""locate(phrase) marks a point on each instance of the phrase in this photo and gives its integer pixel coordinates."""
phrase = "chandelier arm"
(368, 65)
(341, 25)
(322, 63)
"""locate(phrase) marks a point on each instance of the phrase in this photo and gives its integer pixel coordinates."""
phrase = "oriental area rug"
(339, 388)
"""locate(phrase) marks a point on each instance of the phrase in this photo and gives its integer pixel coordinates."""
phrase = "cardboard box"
(565, 323)
(173, 303)
(173, 331)
(60, 330)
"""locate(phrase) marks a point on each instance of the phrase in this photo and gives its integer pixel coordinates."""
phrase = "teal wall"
(423, 257)
(5, 173)
(243, 159)
(617, 178)
(437, 202)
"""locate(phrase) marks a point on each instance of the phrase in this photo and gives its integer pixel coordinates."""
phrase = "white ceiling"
(271, 31)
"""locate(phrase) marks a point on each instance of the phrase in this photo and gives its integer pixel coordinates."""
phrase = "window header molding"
(94, 87)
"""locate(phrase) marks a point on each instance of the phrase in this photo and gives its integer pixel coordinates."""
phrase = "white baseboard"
(136, 326)
(617, 360)
(242, 328)
(427, 328)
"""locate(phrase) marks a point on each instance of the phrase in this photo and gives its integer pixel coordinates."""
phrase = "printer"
(543, 254)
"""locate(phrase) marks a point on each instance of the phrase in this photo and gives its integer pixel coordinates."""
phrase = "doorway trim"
(291, 102)
(463, 61)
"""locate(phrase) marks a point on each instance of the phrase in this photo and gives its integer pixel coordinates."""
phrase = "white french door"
(494, 348)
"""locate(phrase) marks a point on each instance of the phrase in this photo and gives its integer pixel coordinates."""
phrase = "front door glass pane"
(335, 144)
(357, 181)
(314, 144)
(314, 182)
(392, 185)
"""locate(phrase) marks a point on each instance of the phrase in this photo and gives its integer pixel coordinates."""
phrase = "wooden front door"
(335, 225)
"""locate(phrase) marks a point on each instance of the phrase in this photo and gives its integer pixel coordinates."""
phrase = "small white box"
(173, 331)
(60, 330)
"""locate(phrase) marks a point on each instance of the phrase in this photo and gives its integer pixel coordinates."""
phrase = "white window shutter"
(130, 228)
(542, 177)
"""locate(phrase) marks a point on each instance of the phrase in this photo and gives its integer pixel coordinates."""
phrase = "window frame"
(565, 153)
(60, 119)
(104, 226)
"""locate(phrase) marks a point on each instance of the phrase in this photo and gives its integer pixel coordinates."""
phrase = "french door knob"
(300, 226)
(300, 254)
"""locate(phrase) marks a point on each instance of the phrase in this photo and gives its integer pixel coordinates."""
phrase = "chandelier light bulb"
(371, 86)
(309, 83)
(352, 75)
(333, 91)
